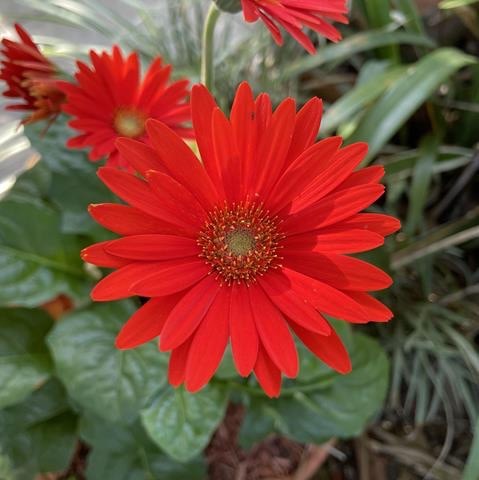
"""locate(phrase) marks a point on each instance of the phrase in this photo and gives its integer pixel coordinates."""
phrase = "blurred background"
(405, 79)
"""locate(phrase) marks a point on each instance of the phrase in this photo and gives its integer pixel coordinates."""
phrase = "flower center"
(129, 122)
(240, 242)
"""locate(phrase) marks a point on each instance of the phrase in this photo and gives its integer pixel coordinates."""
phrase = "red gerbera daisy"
(31, 77)
(248, 246)
(293, 15)
(111, 101)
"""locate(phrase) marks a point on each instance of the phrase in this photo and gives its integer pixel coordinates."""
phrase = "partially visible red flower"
(111, 101)
(293, 15)
(248, 246)
(30, 77)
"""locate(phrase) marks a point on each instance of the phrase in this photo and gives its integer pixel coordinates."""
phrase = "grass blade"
(408, 93)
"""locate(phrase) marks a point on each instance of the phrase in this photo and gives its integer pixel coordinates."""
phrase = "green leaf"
(316, 411)
(414, 21)
(358, 98)
(34, 182)
(311, 369)
(471, 471)
(24, 359)
(230, 6)
(421, 181)
(113, 383)
(432, 244)
(379, 15)
(126, 453)
(181, 423)
(74, 183)
(39, 435)
(445, 4)
(227, 369)
(37, 263)
(7, 471)
(400, 166)
(406, 95)
(352, 45)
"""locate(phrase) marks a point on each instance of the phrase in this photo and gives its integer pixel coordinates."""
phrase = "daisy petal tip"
(346, 369)
(152, 124)
(84, 254)
(92, 207)
(121, 343)
(273, 393)
(396, 225)
(120, 142)
(198, 91)
(194, 386)
(163, 346)
(244, 88)
(175, 383)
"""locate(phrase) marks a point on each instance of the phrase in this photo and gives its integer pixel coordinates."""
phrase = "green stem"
(42, 261)
(207, 63)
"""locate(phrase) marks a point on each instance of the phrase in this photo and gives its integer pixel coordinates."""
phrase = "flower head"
(249, 246)
(110, 100)
(293, 15)
(30, 77)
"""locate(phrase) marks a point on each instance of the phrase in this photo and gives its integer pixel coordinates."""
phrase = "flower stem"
(207, 64)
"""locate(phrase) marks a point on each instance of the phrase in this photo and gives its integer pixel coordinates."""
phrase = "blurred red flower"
(30, 77)
(293, 15)
(110, 100)
(249, 246)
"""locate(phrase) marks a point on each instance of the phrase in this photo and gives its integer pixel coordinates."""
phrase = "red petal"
(209, 343)
(138, 155)
(273, 147)
(325, 298)
(117, 285)
(334, 239)
(374, 309)
(339, 168)
(329, 349)
(244, 337)
(376, 222)
(332, 209)
(339, 271)
(202, 106)
(301, 171)
(370, 174)
(243, 121)
(188, 313)
(147, 322)
(176, 201)
(287, 300)
(125, 220)
(177, 365)
(152, 247)
(97, 255)
(181, 162)
(274, 30)
(273, 332)
(268, 374)
(171, 276)
(306, 128)
(263, 114)
(227, 156)
(299, 36)
(249, 10)
(131, 189)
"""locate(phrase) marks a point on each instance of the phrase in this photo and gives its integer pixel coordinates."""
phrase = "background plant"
(402, 80)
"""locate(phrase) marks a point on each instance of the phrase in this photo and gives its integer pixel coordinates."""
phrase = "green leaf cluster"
(387, 83)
